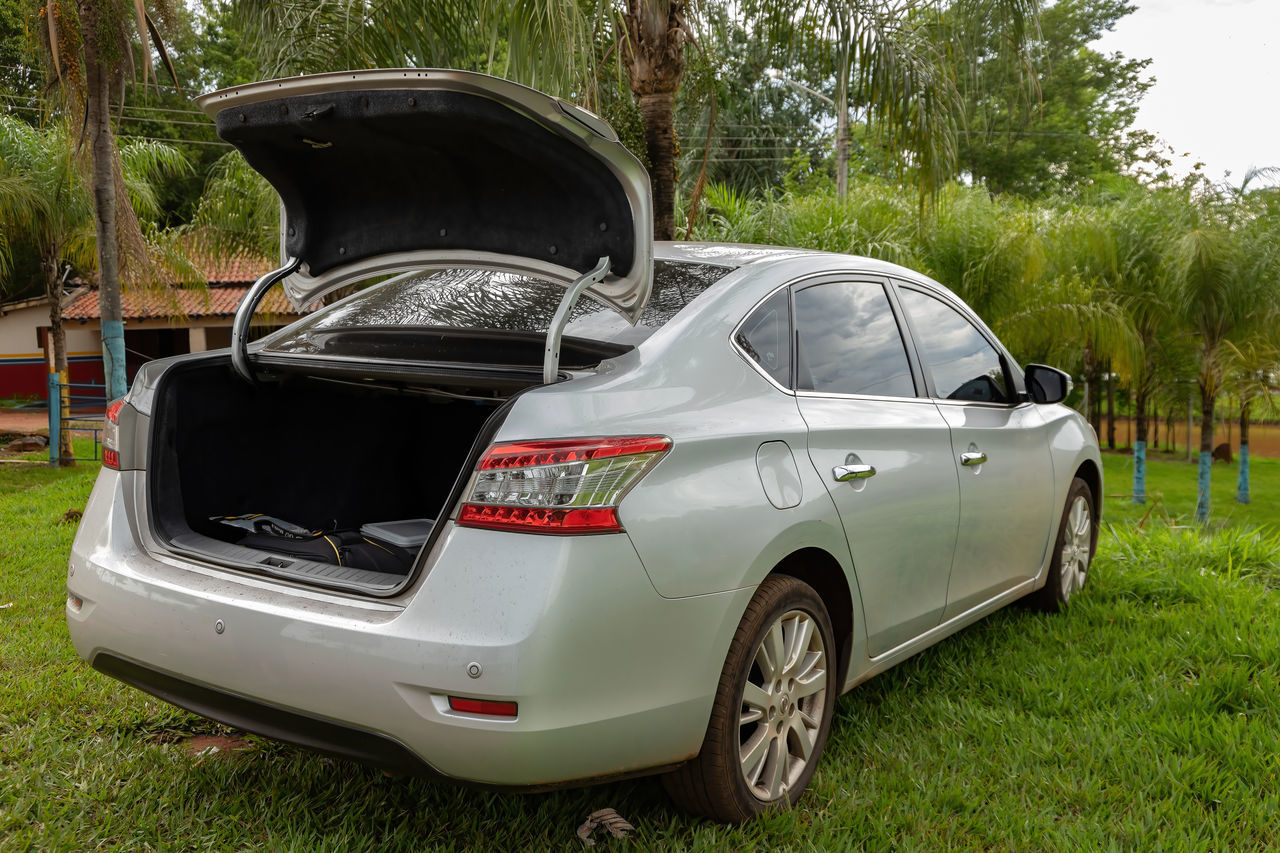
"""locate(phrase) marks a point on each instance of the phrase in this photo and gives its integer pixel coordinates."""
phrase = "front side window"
(963, 364)
(848, 341)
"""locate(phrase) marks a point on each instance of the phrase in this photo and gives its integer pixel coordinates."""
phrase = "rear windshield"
(483, 300)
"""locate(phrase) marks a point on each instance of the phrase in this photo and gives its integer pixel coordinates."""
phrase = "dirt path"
(27, 421)
(1264, 439)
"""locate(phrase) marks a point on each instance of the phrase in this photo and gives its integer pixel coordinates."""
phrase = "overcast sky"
(1215, 96)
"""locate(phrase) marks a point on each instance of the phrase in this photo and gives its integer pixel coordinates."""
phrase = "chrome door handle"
(973, 458)
(844, 473)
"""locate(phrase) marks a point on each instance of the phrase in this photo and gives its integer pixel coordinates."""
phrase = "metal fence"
(77, 406)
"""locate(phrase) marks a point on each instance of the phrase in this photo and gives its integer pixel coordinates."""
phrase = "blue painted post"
(55, 418)
(1242, 484)
(1202, 499)
(1139, 472)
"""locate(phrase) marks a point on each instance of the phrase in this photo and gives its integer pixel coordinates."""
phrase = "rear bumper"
(260, 718)
(609, 677)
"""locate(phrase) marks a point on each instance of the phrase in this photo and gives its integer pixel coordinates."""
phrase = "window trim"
(918, 376)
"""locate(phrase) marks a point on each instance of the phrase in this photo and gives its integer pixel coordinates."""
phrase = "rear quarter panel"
(701, 520)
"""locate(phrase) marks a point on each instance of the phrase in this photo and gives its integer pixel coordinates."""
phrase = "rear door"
(864, 405)
(1000, 452)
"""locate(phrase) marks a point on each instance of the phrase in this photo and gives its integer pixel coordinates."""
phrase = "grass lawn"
(1148, 717)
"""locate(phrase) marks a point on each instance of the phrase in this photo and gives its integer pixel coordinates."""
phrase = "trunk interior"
(329, 457)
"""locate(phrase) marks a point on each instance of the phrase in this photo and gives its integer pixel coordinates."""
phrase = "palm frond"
(238, 212)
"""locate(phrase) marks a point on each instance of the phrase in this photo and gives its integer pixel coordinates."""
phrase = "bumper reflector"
(487, 707)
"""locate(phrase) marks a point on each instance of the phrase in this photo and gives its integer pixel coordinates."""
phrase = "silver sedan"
(548, 502)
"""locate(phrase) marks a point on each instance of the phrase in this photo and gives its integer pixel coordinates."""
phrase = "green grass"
(1173, 480)
(81, 446)
(1147, 717)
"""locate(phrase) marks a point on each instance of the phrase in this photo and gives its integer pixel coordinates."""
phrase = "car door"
(882, 449)
(1000, 452)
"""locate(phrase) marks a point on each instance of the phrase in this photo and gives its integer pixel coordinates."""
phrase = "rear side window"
(964, 365)
(848, 341)
(765, 336)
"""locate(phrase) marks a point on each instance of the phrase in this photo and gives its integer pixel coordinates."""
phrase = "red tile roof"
(217, 301)
(234, 270)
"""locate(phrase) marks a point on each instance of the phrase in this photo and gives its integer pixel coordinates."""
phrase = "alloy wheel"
(1077, 543)
(783, 705)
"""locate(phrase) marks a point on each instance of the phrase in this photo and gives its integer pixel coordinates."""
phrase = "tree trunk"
(103, 185)
(654, 56)
(1207, 400)
(58, 343)
(842, 125)
(659, 112)
(1242, 483)
(1140, 423)
(1092, 372)
(1140, 443)
(1111, 409)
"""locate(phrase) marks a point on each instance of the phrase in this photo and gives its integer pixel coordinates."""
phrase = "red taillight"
(488, 707)
(111, 435)
(569, 485)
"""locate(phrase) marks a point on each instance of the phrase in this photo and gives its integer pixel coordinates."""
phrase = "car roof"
(735, 255)
(731, 255)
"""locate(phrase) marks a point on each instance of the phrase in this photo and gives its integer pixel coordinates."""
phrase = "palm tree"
(1067, 312)
(45, 203)
(59, 226)
(546, 44)
(542, 43)
(1252, 366)
(90, 52)
(1225, 270)
(238, 212)
(1252, 362)
(651, 41)
(1141, 224)
(900, 63)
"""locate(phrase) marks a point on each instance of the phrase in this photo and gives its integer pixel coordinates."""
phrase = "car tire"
(1073, 551)
(771, 717)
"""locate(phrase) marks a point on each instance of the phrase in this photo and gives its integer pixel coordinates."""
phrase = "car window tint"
(766, 337)
(963, 364)
(484, 299)
(848, 341)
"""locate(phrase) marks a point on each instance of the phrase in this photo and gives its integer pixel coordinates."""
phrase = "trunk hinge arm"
(551, 356)
(244, 315)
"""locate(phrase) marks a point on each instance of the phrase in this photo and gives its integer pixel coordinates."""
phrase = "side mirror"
(1047, 384)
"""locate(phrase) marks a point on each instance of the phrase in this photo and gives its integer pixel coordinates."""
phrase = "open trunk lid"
(383, 171)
